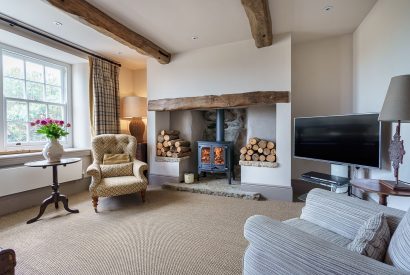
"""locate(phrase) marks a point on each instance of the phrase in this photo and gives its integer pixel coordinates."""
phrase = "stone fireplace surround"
(268, 119)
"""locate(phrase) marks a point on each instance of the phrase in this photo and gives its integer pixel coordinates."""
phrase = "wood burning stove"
(216, 156)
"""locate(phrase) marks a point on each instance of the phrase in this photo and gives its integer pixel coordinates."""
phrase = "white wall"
(231, 68)
(381, 51)
(81, 108)
(321, 85)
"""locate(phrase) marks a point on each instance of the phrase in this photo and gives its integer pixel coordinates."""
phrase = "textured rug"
(172, 233)
(214, 186)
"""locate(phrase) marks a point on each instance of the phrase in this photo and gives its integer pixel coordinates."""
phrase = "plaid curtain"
(104, 97)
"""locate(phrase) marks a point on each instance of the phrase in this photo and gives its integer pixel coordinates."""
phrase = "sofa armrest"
(278, 248)
(7, 261)
(343, 214)
(138, 169)
(94, 171)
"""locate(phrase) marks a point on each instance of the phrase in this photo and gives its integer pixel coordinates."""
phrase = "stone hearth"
(214, 186)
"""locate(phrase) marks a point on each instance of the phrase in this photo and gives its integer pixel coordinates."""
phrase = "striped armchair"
(116, 179)
(316, 243)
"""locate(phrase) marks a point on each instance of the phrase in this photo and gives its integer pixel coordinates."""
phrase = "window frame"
(65, 86)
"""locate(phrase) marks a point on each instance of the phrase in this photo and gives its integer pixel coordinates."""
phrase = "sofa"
(317, 241)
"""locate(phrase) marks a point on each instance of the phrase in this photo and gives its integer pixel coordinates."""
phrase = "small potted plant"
(53, 130)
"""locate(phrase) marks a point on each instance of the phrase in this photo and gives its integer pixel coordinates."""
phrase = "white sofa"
(316, 242)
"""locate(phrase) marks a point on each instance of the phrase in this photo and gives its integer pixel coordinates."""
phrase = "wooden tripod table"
(55, 195)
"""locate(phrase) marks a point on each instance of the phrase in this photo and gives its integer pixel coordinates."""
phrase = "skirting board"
(23, 200)
(269, 192)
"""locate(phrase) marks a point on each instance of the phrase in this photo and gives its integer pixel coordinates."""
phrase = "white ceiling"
(172, 23)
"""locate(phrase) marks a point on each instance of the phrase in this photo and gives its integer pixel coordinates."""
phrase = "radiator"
(19, 179)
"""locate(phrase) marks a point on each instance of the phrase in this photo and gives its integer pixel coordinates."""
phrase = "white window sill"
(20, 159)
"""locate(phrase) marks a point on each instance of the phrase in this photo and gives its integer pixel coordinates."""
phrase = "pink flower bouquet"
(51, 128)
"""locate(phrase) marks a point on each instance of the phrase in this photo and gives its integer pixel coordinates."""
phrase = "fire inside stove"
(219, 158)
(206, 155)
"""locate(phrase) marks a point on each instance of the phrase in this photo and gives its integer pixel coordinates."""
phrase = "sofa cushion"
(398, 253)
(373, 238)
(116, 170)
(343, 214)
(318, 231)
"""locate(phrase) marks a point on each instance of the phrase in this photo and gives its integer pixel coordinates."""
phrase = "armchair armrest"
(278, 248)
(138, 169)
(94, 171)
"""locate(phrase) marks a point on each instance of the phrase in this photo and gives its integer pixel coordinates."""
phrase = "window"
(33, 87)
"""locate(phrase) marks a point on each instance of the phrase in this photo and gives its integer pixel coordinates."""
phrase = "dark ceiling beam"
(101, 22)
(259, 18)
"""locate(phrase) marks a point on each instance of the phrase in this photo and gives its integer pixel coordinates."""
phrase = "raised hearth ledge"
(241, 100)
(169, 159)
(259, 164)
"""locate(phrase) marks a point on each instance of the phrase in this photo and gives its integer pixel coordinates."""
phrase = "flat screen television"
(346, 139)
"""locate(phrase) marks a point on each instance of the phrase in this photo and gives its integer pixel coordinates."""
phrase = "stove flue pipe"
(220, 125)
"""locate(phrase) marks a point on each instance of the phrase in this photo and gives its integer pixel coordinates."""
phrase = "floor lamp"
(135, 108)
(396, 108)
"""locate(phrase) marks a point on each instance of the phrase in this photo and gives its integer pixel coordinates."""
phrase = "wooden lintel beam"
(260, 21)
(226, 101)
(98, 20)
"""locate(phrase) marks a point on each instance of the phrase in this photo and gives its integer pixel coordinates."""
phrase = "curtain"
(104, 97)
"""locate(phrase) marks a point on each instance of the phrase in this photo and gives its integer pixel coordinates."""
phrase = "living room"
(170, 135)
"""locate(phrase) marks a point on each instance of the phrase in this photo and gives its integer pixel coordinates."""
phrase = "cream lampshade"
(396, 108)
(135, 108)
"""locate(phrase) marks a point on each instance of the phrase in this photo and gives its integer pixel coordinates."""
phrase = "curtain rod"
(14, 23)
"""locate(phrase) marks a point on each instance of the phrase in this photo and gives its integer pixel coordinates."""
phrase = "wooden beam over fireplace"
(101, 22)
(226, 101)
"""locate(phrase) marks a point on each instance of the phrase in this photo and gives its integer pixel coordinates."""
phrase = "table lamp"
(135, 108)
(396, 108)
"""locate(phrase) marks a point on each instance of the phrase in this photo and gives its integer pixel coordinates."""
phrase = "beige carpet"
(172, 233)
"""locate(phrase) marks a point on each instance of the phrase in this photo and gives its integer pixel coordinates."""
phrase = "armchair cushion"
(116, 158)
(116, 170)
(373, 238)
(398, 253)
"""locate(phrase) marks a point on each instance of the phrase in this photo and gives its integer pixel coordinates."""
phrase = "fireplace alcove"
(266, 115)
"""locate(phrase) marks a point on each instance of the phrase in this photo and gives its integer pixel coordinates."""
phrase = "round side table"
(55, 195)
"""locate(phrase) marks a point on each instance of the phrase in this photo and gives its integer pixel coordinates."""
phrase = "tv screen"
(350, 139)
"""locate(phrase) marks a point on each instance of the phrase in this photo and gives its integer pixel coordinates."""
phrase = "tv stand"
(334, 183)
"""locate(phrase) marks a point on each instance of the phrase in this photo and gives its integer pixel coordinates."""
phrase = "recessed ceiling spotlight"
(58, 24)
(195, 37)
(328, 8)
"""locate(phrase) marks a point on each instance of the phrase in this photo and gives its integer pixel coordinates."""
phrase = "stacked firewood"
(258, 150)
(169, 144)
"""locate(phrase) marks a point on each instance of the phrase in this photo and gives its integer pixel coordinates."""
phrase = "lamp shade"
(396, 105)
(133, 106)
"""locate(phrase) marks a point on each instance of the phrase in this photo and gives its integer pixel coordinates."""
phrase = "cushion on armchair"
(373, 238)
(116, 170)
(116, 158)
(398, 253)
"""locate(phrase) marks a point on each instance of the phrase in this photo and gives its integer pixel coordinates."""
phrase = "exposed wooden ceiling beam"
(260, 21)
(96, 19)
(225, 101)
